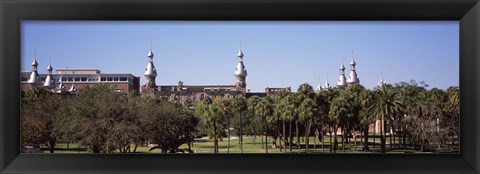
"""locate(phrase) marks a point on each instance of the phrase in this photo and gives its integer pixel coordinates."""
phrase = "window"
(77, 79)
(103, 79)
(43, 78)
(23, 79)
(109, 78)
(115, 79)
(84, 79)
(124, 79)
(70, 79)
(64, 79)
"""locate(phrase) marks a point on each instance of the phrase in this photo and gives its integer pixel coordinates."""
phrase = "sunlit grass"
(254, 145)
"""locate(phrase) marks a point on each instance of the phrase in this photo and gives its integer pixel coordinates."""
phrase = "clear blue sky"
(277, 54)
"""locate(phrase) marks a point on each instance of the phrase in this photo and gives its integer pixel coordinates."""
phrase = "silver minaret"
(353, 77)
(49, 83)
(150, 71)
(381, 82)
(342, 81)
(34, 78)
(240, 73)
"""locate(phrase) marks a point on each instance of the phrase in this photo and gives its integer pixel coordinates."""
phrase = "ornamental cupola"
(353, 77)
(150, 70)
(342, 81)
(381, 82)
(240, 73)
(61, 87)
(49, 83)
(34, 78)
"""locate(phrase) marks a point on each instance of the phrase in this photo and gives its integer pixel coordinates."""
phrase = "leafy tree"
(264, 109)
(306, 112)
(239, 104)
(38, 111)
(386, 104)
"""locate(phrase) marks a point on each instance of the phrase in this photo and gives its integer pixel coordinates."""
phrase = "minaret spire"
(48, 80)
(319, 86)
(353, 77)
(240, 72)
(341, 82)
(381, 82)
(327, 85)
(150, 71)
(34, 78)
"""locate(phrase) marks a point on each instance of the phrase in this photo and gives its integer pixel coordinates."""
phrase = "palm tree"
(205, 108)
(366, 99)
(304, 91)
(306, 112)
(338, 110)
(279, 110)
(239, 105)
(264, 109)
(251, 106)
(386, 104)
(224, 108)
(288, 116)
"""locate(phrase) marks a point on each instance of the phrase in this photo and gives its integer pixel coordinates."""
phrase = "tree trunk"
(322, 139)
(280, 140)
(51, 145)
(382, 139)
(307, 135)
(284, 139)
(290, 137)
(261, 138)
(266, 135)
(330, 137)
(343, 138)
(374, 132)
(335, 141)
(298, 136)
(240, 139)
(228, 129)
(365, 136)
(215, 140)
(135, 148)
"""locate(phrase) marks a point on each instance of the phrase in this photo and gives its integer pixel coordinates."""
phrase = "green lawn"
(254, 145)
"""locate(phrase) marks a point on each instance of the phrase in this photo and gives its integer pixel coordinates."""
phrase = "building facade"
(71, 80)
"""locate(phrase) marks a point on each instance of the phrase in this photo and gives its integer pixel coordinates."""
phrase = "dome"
(48, 81)
(353, 62)
(33, 77)
(49, 68)
(34, 63)
(342, 67)
(240, 70)
(342, 81)
(150, 54)
(151, 70)
(240, 54)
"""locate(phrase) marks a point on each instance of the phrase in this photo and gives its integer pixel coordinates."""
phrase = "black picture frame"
(12, 12)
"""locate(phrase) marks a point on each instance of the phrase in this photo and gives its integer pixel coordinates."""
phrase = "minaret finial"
(240, 53)
(150, 53)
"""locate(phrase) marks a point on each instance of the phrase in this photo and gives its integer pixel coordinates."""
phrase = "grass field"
(254, 145)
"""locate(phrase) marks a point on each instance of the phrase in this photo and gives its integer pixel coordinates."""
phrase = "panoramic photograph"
(252, 87)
